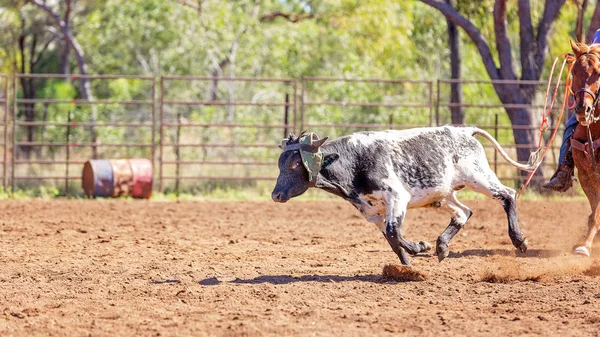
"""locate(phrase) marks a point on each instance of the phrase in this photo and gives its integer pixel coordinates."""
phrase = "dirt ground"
(139, 268)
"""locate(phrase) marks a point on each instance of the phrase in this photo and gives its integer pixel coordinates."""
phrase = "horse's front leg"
(591, 188)
(593, 227)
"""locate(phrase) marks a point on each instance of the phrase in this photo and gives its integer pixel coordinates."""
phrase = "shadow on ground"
(287, 279)
(531, 253)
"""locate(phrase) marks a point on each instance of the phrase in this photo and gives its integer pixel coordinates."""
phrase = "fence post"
(295, 93)
(286, 116)
(14, 127)
(302, 99)
(68, 151)
(162, 135)
(496, 137)
(6, 107)
(153, 154)
(437, 105)
(177, 153)
(431, 103)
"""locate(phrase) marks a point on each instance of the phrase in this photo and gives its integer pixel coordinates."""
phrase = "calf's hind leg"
(460, 214)
(488, 184)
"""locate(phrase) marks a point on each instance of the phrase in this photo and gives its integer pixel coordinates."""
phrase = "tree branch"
(291, 17)
(32, 53)
(44, 47)
(502, 42)
(527, 41)
(190, 4)
(551, 10)
(579, 27)
(482, 46)
(79, 54)
(67, 10)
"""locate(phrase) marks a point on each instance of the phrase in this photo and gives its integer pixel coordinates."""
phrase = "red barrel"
(118, 177)
(142, 178)
(122, 177)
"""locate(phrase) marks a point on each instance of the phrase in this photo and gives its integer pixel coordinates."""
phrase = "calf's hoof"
(582, 250)
(425, 246)
(441, 249)
(523, 246)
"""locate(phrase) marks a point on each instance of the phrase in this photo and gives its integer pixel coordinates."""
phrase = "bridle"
(589, 113)
(589, 116)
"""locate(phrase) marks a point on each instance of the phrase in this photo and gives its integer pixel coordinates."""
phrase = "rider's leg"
(561, 180)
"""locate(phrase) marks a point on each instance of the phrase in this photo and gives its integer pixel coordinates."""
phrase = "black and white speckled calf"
(386, 172)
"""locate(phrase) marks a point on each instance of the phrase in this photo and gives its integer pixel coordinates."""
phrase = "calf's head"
(299, 165)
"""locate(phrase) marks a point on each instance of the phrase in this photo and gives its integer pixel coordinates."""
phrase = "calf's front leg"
(395, 244)
(395, 212)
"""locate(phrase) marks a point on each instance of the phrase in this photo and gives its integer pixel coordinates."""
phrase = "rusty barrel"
(118, 177)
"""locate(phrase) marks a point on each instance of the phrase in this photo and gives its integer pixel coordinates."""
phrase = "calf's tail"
(533, 158)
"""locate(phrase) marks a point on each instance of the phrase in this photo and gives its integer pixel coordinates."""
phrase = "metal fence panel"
(89, 128)
(375, 104)
(222, 129)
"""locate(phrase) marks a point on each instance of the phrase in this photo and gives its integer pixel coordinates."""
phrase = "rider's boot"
(561, 181)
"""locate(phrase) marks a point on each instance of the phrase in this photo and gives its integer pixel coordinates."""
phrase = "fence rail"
(198, 137)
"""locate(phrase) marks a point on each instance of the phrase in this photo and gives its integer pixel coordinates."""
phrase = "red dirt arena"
(305, 268)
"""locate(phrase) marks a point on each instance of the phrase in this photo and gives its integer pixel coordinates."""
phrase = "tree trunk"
(457, 113)
(581, 6)
(65, 69)
(595, 23)
(522, 119)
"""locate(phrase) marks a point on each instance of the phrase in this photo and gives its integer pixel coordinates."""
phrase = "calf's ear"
(329, 159)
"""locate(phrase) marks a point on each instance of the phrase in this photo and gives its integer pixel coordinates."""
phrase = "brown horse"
(585, 141)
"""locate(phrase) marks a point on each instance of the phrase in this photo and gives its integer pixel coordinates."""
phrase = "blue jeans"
(569, 129)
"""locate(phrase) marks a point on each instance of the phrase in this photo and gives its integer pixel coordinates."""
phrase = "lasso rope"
(546, 113)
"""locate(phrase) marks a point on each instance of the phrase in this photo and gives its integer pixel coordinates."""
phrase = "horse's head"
(586, 80)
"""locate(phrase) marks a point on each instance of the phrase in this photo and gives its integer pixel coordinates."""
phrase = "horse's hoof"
(523, 246)
(582, 250)
(441, 249)
(425, 246)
